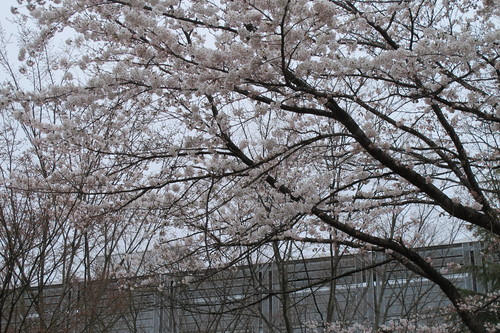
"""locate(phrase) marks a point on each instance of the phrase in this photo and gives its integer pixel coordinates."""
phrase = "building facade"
(277, 296)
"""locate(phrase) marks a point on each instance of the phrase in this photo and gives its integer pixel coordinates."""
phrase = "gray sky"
(5, 15)
(8, 28)
(5, 8)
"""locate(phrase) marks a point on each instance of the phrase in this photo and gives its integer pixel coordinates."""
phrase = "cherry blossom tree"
(239, 123)
(56, 252)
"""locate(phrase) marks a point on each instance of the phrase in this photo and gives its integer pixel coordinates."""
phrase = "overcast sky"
(5, 8)
(8, 28)
(5, 15)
